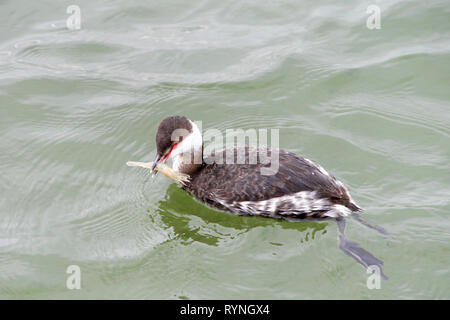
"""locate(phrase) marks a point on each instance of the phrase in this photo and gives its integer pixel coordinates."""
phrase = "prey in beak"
(155, 163)
(162, 158)
(170, 134)
(167, 171)
(159, 166)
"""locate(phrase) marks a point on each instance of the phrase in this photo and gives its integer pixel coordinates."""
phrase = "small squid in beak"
(159, 166)
(155, 163)
(162, 158)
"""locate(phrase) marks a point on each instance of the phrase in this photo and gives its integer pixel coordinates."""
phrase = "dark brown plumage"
(226, 185)
(169, 127)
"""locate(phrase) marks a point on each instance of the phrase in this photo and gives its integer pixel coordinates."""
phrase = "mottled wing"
(244, 182)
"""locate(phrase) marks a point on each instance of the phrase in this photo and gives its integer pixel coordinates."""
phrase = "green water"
(372, 106)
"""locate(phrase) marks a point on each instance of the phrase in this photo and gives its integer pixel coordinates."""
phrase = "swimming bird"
(299, 189)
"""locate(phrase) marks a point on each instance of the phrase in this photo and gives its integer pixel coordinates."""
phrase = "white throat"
(189, 151)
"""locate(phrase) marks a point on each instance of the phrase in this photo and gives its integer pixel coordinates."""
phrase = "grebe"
(299, 189)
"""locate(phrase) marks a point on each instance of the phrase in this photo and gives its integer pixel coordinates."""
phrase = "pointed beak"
(155, 163)
(162, 159)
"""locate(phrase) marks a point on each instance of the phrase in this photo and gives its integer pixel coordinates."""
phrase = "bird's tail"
(353, 206)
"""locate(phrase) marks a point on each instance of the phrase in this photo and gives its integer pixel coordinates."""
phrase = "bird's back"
(298, 188)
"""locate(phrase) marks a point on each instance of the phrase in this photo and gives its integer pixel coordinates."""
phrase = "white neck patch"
(192, 143)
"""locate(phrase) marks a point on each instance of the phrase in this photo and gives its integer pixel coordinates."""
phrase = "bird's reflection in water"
(180, 211)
